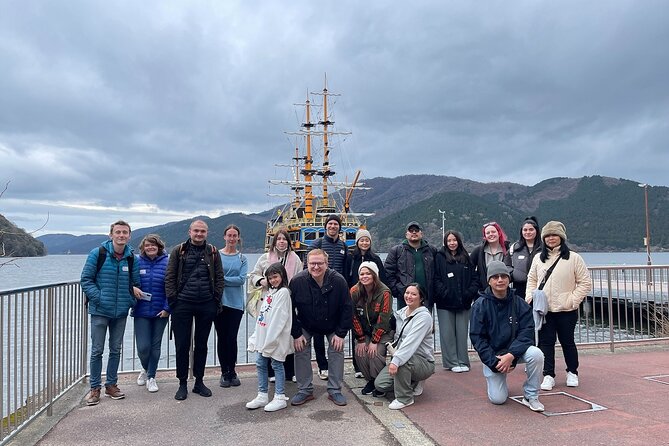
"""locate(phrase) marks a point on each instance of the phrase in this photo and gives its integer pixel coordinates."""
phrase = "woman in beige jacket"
(565, 289)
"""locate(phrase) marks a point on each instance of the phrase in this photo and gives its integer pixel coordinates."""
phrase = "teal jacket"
(109, 290)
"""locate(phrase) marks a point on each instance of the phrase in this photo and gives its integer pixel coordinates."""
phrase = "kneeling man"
(501, 329)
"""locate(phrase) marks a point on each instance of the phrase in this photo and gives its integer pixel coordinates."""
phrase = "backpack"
(102, 256)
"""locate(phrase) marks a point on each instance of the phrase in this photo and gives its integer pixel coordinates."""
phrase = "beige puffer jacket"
(567, 286)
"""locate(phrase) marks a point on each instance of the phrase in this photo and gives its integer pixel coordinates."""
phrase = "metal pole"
(443, 219)
(645, 190)
(646, 240)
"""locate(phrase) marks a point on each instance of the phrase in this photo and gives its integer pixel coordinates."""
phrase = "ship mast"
(308, 170)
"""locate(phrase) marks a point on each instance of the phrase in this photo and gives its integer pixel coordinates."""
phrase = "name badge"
(342, 252)
(142, 271)
(450, 275)
(124, 268)
(521, 257)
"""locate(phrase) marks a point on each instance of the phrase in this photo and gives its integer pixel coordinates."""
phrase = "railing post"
(610, 301)
(49, 351)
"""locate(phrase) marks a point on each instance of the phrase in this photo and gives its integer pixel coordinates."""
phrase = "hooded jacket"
(372, 318)
(152, 278)
(490, 327)
(109, 289)
(417, 337)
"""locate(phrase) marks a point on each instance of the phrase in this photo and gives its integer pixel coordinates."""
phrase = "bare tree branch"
(5, 189)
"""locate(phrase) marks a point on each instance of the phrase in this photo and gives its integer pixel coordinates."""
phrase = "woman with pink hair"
(494, 246)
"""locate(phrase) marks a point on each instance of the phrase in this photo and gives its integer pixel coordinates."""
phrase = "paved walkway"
(630, 409)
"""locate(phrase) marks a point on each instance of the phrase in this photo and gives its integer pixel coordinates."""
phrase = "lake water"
(34, 271)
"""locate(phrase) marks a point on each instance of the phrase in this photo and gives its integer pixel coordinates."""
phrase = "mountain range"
(600, 213)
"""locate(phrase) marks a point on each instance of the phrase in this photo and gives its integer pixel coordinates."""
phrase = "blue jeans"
(149, 338)
(99, 325)
(262, 370)
(498, 391)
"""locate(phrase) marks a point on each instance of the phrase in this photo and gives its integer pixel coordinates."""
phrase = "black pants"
(288, 366)
(227, 327)
(561, 324)
(183, 315)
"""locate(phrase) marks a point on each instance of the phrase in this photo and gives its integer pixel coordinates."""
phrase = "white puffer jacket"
(568, 284)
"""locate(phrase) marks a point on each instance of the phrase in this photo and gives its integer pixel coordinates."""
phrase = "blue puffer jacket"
(109, 290)
(152, 277)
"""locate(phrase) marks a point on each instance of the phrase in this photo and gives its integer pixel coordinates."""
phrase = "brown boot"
(93, 397)
(114, 392)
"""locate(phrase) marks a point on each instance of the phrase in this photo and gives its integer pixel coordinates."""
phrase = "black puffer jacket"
(455, 283)
(400, 268)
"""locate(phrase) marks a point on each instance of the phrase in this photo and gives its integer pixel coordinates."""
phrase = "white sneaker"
(548, 383)
(272, 379)
(278, 403)
(534, 404)
(294, 379)
(464, 368)
(359, 375)
(259, 401)
(323, 374)
(456, 369)
(572, 379)
(418, 390)
(141, 379)
(395, 405)
(151, 385)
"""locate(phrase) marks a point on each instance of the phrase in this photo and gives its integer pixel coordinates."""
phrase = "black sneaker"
(182, 393)
(377, 394)
(369, 388)
(225, 380)
(234, 380)
(201, 389)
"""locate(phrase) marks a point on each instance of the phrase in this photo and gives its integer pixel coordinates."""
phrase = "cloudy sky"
(158, 111)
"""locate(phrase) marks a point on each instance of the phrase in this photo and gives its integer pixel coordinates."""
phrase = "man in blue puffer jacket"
(109, 293)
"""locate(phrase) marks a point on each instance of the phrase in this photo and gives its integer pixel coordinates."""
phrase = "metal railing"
(45, 342)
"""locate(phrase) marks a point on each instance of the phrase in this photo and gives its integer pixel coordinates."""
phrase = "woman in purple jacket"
(151, 311)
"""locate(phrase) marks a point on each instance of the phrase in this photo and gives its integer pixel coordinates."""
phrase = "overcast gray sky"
(157, 111)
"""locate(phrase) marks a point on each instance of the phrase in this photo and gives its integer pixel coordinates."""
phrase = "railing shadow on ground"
(45, 344)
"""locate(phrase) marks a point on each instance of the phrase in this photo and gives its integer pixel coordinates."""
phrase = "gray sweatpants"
(415, 369)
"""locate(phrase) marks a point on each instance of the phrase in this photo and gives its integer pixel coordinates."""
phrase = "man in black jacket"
(321, 306)
(194, 286)
(410, 261)
(502, 331)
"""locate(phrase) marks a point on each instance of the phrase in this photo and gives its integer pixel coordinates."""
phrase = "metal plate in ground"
(564, 404)
(662, 379)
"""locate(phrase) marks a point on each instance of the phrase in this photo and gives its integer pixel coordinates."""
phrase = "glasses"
(498, 276)
(413, 230)
(318, 264)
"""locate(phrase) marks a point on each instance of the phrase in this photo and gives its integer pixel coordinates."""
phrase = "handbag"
(548, 274)
(391, 347)
(253, 301)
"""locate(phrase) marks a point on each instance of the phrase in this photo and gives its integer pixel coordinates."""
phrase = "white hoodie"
(271, 337)
(417, 337)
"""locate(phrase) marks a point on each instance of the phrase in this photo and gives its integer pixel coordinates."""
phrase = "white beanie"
(362, 233)
(370, 266)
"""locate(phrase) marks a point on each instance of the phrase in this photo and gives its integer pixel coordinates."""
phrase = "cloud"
(154, 111)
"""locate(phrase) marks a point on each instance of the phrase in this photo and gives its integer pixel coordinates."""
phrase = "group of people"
(512, 300)
(196, 285)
